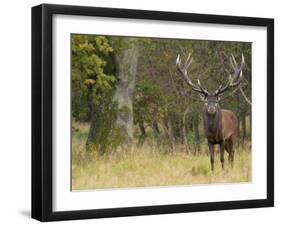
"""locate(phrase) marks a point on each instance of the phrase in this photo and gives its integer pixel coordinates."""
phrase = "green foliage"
(148, 99)
(90, 81)
(192, 140)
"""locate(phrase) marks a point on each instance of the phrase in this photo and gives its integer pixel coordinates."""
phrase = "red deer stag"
(220, 125)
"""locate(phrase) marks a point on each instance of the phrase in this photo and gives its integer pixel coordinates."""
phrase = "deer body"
(220, 125)
(221, 129)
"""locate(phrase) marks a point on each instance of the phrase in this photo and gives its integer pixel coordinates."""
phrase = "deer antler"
(245, 97)
(235, 78)
(182, 70)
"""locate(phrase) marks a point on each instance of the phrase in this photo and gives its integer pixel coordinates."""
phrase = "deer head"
(211, 99)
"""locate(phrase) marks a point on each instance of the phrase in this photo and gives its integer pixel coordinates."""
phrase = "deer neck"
(212, 122)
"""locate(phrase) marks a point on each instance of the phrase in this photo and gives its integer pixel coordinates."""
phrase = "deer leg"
(222, 154)
(230, 152)
(226, 146)
(212, 158)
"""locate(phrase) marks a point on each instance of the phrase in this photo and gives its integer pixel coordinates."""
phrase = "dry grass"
(145, 166)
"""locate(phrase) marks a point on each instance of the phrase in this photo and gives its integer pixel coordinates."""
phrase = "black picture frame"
(42, 107)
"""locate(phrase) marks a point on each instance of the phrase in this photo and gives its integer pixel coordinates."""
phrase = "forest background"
(136, 123)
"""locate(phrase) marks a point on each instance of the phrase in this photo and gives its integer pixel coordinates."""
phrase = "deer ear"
(219, 98)
(202, 97)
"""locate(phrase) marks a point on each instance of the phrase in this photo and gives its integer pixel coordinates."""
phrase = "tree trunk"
(142, 129)
(190, 126)
(250, 125)
(125, 61)
(177, 128)
(155, 128)
(94, 139)
(170, 133)
(90, 104)
(239, 132)
(243, 129)
(196, 135)
(112, 118)
(184, 138)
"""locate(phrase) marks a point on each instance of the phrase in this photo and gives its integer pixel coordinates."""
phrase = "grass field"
(144, 166)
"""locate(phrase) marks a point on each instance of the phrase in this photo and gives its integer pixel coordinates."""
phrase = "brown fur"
(221, 128)
(229, 124)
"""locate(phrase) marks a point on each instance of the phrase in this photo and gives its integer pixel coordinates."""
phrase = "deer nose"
(211, 110)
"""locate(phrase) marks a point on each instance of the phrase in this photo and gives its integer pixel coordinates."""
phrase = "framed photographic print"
(147, 112)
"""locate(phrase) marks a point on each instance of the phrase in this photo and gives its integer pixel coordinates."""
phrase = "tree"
(92, 85)
(125, 58)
